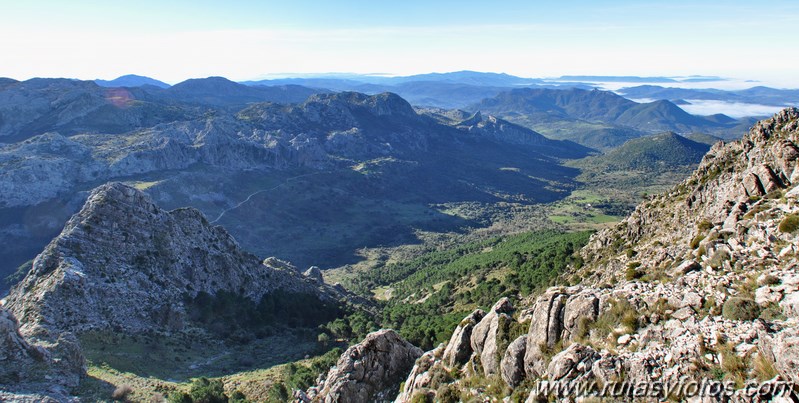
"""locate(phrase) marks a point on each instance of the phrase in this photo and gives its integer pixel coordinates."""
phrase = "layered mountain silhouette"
(597, 106)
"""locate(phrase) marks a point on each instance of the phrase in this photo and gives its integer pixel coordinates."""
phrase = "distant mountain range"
(40, 105)
(588, 115)
(463, 88)
(754, 95)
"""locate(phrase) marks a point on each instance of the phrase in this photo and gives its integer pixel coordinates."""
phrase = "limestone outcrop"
(368, 371)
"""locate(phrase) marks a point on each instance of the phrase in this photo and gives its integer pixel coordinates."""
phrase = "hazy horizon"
(245, 40)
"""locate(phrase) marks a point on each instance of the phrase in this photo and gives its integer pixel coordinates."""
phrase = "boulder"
(607, 369)
(752, 185)
(315, 274)
(686, 267)
(512, 364)
(484, 335)
(574, 363)
(459, 348)
(545, 330)
(370, 370)
(790, 305)
(579, 307)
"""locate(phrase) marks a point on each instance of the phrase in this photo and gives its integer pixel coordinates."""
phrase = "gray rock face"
(573, 363)
(16, 355)
(484, 335)
(545, 330)
(786, 354)
(369, 369)
(120, 248)
(30, 365)
(725, 190)
(580, 307)
(512, 364)
(314, 274)
(459, 348)
(421, 376)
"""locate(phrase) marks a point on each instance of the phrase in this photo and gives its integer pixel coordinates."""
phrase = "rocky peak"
(384, 104)
(720, 200)
(120, 248)
(368, 371)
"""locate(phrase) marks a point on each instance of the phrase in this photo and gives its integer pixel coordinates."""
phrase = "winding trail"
(245, 201)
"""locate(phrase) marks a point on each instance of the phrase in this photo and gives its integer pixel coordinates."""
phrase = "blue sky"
(175, 40)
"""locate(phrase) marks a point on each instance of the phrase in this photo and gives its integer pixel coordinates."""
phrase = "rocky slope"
(33, 369)
(698, 284)
(122, 248)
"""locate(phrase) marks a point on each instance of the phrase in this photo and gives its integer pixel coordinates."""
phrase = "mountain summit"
(120, 248)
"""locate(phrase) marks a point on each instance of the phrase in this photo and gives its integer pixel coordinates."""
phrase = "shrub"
(764, 369)
(448, 394)
(439, 377)
(584, 324)
(420, 397)
(238, 397)
(277, 393)
(179, 397)
(704, 225)
(733, 366)
(772, 312)
(770, 279)
(632, 272)
(204, 390)
(620, 312)
(737, 308)
(695, 242)
(122, 392)
(789, 224)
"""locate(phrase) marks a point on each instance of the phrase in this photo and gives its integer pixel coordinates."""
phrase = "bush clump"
(202, 390)
(632, 272)
(737, 308)
(704, 225)
(789, 224)
(448, 394)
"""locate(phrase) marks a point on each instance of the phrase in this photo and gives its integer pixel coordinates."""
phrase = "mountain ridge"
(594, 106)
(131, 80)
